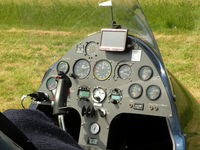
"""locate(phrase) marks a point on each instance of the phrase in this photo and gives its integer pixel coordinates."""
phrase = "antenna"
(109, 4)
(112, 14)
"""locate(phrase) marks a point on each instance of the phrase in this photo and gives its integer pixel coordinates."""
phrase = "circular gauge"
(135, 91)
(116, 96)
(99, 95)
(51, 84)
(82, 68)
(63, 67)
(91, 48)
(102, 70)
(145, 73)
(153, 92)
(124, 71)
(94, 128)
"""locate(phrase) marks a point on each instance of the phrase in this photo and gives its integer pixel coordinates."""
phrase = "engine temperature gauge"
(99, 95)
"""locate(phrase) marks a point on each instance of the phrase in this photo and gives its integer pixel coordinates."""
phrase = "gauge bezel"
(96, 101)
(111, 93)
(118, 73)
(157, 96)
(107, 77)
(76, 64)
(67, 66)
(48, 86)
(97, 125)
(140, 74)
(131, 94)
(85, 89)
(86, 48)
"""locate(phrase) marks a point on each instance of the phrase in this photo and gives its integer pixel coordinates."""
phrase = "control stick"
(60, 103)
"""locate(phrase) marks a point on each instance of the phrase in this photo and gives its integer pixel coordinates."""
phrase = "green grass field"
(36, 33)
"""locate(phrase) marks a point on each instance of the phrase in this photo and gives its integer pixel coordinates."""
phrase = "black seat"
(11, 138)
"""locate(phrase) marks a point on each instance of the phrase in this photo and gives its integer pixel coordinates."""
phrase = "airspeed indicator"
(102, 70)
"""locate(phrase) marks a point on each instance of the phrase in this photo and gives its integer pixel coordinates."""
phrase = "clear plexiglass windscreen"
(127, 13)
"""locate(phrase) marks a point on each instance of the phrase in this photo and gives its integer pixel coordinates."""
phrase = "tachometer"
(124, 71)
(82, 68)
(102, 70)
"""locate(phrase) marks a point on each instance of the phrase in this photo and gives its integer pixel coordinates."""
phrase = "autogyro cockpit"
(120, 97)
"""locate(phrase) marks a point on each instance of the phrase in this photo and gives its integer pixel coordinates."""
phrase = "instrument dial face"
(124, 71)
(94, 128)
(82, 68)
(135, 91)
(51, 84)
(99, 95)
(63, 67)
(145, 73)
(153, 92)
(91, 49)
(102, 70)
(116, 96)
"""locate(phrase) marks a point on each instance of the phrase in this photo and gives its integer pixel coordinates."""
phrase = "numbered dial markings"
(102, 70)
(124, 71)
(82, 68)
(99, 95)
(91, 49)
(51, 84)
(153, 92)
(135, 91)
(63, 67)
(145, 73)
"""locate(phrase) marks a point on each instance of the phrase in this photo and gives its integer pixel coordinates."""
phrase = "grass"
(25, 56)
(59, 14)
(181, 53)
(36, 33)
(173, 14)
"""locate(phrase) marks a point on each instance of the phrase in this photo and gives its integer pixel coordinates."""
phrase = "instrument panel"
(102, 70)
(106, 84)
